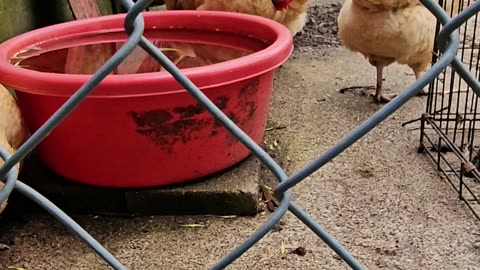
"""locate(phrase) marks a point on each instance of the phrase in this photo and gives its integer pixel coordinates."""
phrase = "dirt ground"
(381, 199)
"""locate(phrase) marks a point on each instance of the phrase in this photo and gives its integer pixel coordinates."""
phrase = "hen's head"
(281, 4)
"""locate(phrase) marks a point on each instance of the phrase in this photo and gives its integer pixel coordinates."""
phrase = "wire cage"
(450, 123)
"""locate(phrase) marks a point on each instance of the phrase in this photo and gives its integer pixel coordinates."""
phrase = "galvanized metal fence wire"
(448, 42)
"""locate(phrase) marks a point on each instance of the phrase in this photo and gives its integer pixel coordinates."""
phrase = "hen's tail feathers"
(385, 5)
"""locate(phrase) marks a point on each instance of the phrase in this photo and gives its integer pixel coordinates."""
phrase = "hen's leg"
(378, 91)
(424, 92)
(418, 69)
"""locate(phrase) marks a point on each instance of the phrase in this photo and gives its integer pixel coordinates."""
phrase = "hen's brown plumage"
(11, 120)
(388, 31)
(12, 127)
(293, 17)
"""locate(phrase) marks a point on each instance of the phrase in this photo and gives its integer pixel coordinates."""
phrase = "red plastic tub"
(144, 129)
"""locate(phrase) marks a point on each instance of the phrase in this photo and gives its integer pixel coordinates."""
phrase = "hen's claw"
(383, 98)
(422, 93)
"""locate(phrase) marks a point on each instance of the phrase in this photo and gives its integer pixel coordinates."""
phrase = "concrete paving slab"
(231, 192)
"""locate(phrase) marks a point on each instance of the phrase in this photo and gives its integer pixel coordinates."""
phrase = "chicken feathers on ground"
(291, 13)
(388, 31)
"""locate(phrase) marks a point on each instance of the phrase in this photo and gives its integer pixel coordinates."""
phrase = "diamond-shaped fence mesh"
(447, 42)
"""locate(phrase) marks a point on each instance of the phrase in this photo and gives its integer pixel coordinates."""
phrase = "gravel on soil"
(321, 28)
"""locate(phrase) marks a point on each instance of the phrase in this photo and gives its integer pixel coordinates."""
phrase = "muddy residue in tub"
(247, 107)
(192, 110)
(246, 96)
(249, 89)
(183, 124)
(165, 129)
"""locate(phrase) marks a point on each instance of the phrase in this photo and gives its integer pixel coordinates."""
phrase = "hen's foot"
(383, 98)
(422, 93)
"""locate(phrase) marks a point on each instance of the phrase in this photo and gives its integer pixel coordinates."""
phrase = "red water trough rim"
(215, 75)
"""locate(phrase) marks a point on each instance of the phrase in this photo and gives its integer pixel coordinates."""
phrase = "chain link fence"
(447, 42)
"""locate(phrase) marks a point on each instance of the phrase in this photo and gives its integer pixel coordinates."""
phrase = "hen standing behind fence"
(388, 31)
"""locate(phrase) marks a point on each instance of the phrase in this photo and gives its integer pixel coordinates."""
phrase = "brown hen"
(13, 131)
(388, 31)
(291, 13)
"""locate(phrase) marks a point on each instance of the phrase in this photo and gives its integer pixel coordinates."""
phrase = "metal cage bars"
(449, 123)
(448, 41)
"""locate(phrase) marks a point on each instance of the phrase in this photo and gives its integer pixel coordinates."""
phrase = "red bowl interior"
(139, 130)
